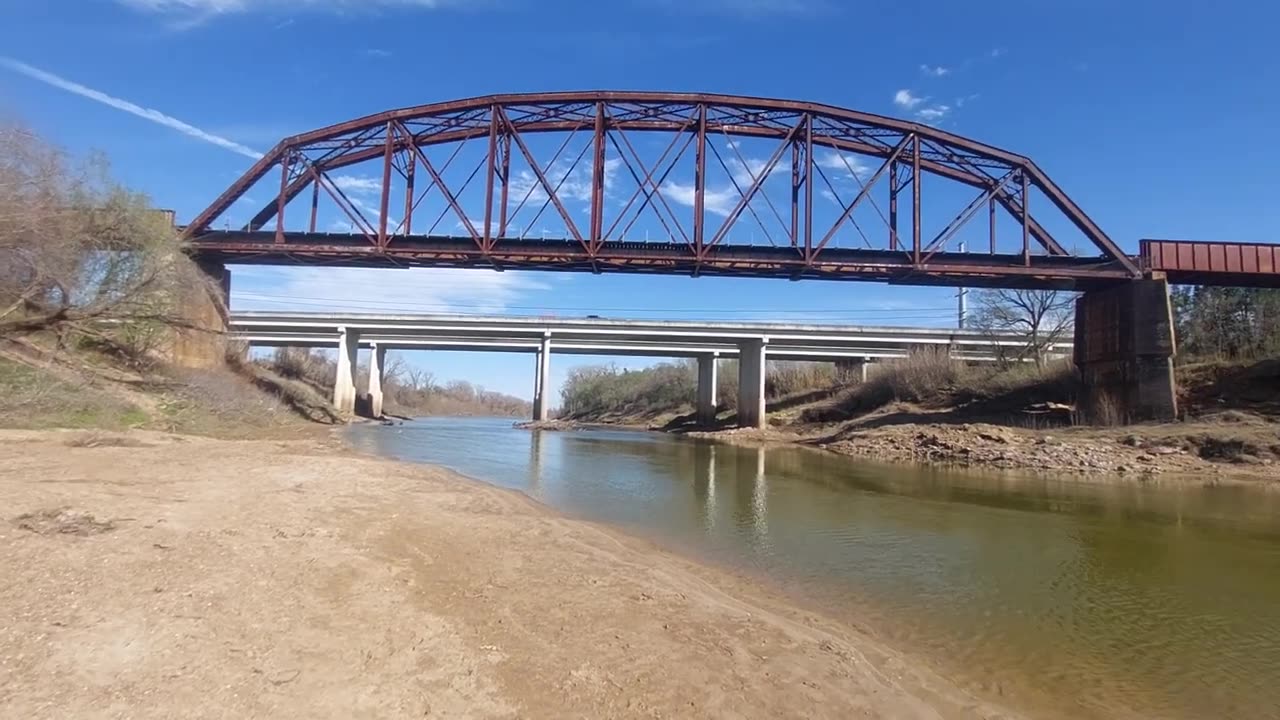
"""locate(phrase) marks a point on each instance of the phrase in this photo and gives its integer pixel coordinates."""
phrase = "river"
(1071, 599)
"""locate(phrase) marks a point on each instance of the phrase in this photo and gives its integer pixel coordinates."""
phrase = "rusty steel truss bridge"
(671, 183)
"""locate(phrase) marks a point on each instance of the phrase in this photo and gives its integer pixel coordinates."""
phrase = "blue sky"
(1154, 116)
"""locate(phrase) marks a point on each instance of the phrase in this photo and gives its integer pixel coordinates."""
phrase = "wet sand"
(177, 576)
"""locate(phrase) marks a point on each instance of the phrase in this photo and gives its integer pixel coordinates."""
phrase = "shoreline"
(1159, 454)
(345, 556)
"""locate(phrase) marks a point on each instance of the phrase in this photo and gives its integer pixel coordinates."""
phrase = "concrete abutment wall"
(205, 310)
(1124, 349)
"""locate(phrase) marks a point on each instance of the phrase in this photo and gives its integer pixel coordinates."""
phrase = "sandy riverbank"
(296, 579)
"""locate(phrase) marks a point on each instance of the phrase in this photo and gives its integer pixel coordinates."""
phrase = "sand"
(153, 575)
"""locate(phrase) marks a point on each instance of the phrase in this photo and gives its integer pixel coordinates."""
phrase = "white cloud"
(846, 164)
(227, 7)
(935, 70)
(933, 113)
(904, 99)
(378, 53)
(148, 114)
(996, 52)
(715, 201)
(357, 184)
(382, 290)
(573, 183)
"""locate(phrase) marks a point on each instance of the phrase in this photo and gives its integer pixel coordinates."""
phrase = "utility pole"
(962, 300)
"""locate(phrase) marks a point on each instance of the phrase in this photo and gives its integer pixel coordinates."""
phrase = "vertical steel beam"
(894, 182)
(315, 203)
(915, 200)
(991, 222)
(808, 187)
(699, 182)
(408, 191)
(1026, 225)
(384, 207)
(282, 198)
(596, 237)
(795, 193)
(490, 172)
(506, 177)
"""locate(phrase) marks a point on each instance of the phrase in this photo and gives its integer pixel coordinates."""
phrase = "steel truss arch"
(905, 150)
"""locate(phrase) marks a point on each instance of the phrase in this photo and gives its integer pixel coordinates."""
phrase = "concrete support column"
(344, 388)
(852, 371)
(707, 380)
(541, 406)
(751, 374)
(377, 371)
(1124, 348)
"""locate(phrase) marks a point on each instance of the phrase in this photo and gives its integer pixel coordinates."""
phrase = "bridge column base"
(205, 308)
(377, 370)
(1124, 349)
(344, 387)
(707, 380)
(751, 375)
(852, 372)
(541, 408)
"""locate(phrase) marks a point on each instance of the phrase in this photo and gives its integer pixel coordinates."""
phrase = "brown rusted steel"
(862, 194)
(280, 201)
(915, 200)
(490, 176)
(940, 241)
(894, 182)
(991, 223)
(315, 204)
(1026, 220)
(506, 183)
(1213, 263)
(598, 180)
(795, 127)
(410, 171)
(700, 183)
(385, 204)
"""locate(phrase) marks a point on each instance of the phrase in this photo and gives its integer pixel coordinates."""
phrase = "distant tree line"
(1226, 323)
(407, 390)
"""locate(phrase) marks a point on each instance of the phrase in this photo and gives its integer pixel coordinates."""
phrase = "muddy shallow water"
(1081, 600)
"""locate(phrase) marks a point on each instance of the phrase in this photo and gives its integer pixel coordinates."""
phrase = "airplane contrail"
(149, 114)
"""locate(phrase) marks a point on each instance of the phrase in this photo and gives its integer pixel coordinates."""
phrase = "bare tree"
(79, 252)
(1042, 317)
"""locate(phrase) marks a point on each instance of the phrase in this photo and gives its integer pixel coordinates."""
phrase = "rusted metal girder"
(696, 241)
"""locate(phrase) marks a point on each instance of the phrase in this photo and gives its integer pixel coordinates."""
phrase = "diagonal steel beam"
(862, 194)
(542, 178)
(444, 189)
(755, 187)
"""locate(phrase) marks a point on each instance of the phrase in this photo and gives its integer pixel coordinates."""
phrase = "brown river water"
(1062, 598)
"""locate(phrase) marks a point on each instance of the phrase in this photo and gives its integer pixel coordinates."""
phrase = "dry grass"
(932, 380)
(97, 439)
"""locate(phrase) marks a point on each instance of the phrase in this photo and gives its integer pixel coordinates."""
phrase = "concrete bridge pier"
(377, 373)
(344, 388)
(852, 371)
(1124, 349)
(541, 408)
(708, 377)
(751, 375)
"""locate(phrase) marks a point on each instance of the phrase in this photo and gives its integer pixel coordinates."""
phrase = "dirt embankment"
(1213, 450)
(153, 575)
(1231, 432)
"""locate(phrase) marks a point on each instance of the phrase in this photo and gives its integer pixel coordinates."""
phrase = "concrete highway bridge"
(716, 185)
(751, 344)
